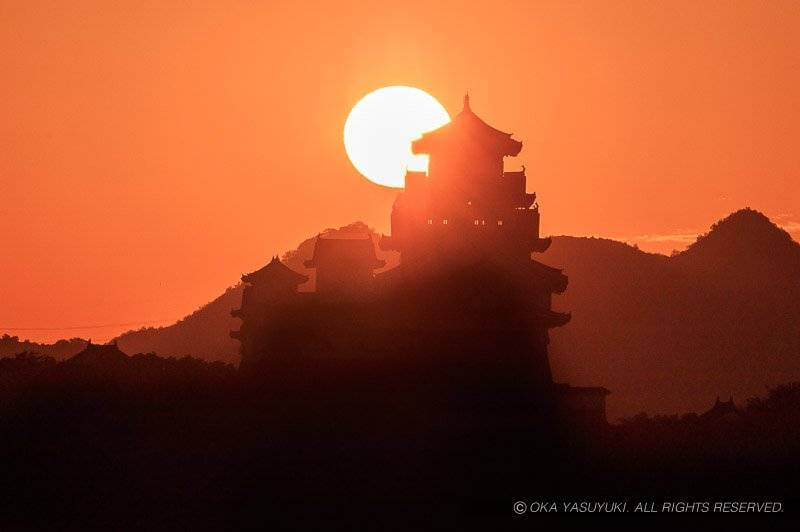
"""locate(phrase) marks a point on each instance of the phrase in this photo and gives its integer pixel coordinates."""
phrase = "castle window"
(499, 222)
(430, 222)
(444, 222)
(476, 222)
(483, 222)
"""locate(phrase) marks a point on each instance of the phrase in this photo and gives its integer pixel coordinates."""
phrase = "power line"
(79, 327)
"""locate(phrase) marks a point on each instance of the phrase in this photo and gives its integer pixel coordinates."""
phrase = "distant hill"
(664, 334)
(744, 243)
(667, 335)
(204, 333)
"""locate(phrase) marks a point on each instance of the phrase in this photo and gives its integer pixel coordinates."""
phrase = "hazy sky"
(151, 152)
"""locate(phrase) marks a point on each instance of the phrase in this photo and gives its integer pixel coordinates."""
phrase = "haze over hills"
(12, 345)
(204, 333)
(669, 334)
(664, 334)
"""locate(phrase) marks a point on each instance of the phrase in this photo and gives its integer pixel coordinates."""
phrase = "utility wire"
(78, 327)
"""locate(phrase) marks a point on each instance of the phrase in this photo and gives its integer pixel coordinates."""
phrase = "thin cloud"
(684, 238)
(790, 227)
(783, 220)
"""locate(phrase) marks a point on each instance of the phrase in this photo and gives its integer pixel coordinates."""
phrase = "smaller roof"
(99, 354)
(350, 251)
(544, 273)
(275, 272)
(720, 409)
(551, 318)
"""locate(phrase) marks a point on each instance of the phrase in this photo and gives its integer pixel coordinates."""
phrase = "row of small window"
(477, 222)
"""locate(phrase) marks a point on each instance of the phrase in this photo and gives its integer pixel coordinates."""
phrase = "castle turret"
(477, 223)
(267, 292)
(466, 204)
(345, 266)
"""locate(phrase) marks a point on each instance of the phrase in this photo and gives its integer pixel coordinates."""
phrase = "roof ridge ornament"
(466, 102)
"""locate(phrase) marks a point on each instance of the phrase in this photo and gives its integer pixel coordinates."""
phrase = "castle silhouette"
(463, 321)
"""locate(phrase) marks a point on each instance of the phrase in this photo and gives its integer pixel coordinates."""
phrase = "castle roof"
(99, 353)
(350, 251)
(275, 272)
(720, 409)
(553, 277)
(552, 318)
(467, 127)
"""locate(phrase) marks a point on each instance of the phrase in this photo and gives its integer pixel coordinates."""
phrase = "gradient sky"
(151, 152)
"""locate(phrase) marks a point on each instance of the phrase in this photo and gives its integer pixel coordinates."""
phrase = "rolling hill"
(667, 335)
(664, 334)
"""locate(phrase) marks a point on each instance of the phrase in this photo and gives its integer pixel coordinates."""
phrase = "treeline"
(62, 349)
(148, 437)
(766, 425)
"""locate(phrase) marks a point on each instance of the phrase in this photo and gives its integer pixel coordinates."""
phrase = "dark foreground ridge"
(152, 440)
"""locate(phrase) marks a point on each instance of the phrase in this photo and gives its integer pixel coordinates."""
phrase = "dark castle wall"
(463, 340)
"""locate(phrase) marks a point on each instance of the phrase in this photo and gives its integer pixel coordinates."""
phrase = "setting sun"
(379, 130)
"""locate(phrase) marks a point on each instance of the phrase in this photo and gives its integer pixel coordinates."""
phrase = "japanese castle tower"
(466, 309)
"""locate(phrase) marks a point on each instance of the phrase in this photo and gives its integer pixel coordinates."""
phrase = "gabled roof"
(275, 272)
(720, 409)
(544, 273)
(99, 354)
(467, 126)
(352, 251)
(552, 318)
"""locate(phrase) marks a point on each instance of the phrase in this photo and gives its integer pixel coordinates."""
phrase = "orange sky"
(149, 155)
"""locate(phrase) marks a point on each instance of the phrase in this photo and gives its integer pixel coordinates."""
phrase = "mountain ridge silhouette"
(664, 334)
(668, 334)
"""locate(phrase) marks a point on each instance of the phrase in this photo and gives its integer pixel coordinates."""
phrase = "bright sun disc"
(379, 130)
